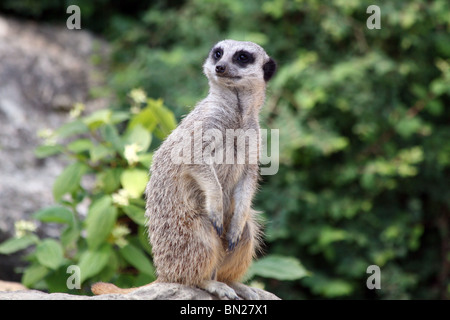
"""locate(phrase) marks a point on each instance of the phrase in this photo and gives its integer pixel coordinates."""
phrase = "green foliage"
(361, 125)
(278, 267)
(111, 148)
(17, 243)
(363, 119)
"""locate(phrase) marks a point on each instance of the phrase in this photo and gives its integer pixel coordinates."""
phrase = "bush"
(108, 172)
(364, 153)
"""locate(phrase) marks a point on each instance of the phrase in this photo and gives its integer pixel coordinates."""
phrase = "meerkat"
(202, 228)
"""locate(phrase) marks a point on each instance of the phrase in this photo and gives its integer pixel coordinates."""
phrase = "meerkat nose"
(221, 68)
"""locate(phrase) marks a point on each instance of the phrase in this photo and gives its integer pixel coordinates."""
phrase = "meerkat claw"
(218, 228)
(232, 245)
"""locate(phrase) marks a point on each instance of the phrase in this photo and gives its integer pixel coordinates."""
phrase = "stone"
(44, 70)
(154, 291)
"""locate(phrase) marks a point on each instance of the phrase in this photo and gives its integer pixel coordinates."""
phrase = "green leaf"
(16, 244)
(139, 135)
(143, 279)
(329, 235)
(146, 118)
(56, 281)
(48, 150)
(408, 126)
(99, 152)
(72, 128)
(143, 239)
(93, 261)
(137, 258)
(97, 118)
(278, 267)
(119, 116)
(79, 145)
(110, 134)
(136, 214)
(109, 179)
(146, 159)
(368, 180)
(68, 180)
(70, 234)
(50, 253)
(165, 116)
(439, 86)
(100, 221)
(33, 274)
(435, 107)
(337, 288)
(55, 214)
(111, 269)
(134, 181)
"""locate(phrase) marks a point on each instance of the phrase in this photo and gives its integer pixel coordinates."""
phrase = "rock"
(44, 71)
(155, 291)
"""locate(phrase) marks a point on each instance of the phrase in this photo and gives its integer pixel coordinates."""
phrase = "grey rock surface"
(155, 291)
(44, 71)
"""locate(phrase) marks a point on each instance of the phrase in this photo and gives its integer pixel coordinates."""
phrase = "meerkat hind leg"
(244, 291)
(219, 289)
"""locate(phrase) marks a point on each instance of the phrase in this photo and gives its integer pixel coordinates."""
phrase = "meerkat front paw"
(233, 238)
(217, 222)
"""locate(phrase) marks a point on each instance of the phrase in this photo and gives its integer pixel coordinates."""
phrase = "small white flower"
(48, 135)
(77, 109)
(119, 233)
(138, 95)
(130, 153)
(257, 284)
(135, 109)
(121, 197)
(23, 227)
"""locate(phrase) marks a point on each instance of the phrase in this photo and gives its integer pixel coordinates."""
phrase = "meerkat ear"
(269, 69)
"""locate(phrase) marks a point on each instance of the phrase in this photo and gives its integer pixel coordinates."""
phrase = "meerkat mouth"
(228, 76)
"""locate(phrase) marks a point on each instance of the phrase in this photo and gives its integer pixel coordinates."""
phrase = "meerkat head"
(237, 64)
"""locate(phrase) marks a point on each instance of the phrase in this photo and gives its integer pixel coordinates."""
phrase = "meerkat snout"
(221, 68)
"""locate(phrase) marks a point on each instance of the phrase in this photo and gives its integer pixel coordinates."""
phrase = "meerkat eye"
(217, 54)
(243, 57)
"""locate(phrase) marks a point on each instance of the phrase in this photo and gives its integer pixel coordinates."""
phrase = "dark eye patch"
(217, 53)
(243, 58)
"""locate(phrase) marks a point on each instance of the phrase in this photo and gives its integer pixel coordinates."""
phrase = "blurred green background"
(364, 120)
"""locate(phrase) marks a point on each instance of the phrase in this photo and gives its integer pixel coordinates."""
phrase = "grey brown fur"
(202, 228)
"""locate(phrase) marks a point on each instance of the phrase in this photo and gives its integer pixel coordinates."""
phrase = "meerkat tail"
(108, 288)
